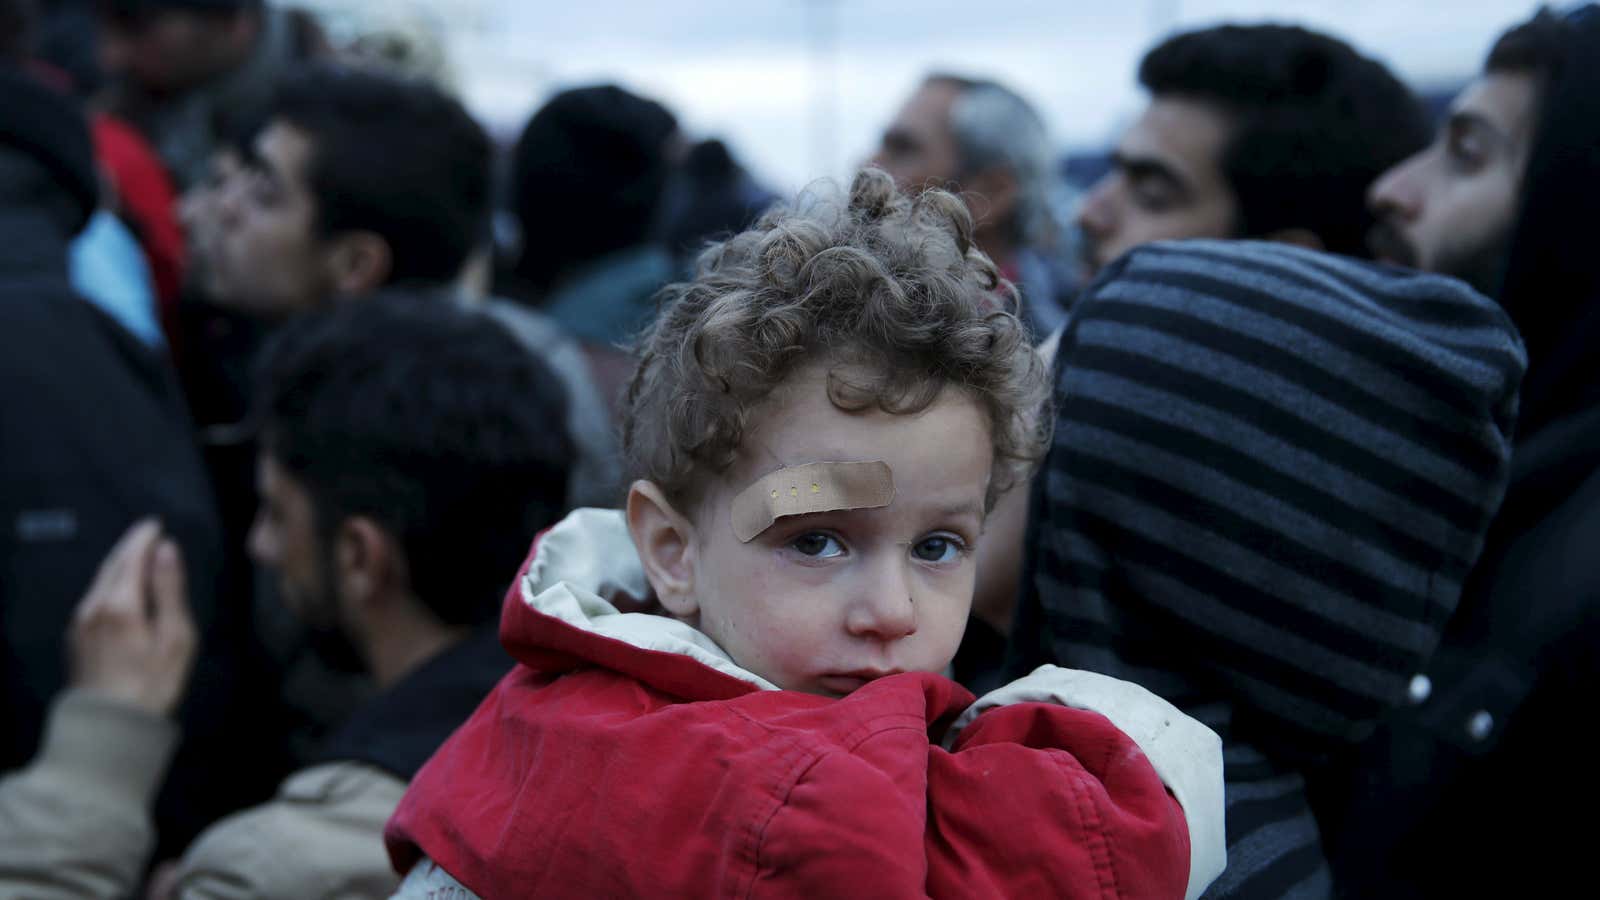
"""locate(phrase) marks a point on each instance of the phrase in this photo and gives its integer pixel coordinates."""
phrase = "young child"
(819, 424)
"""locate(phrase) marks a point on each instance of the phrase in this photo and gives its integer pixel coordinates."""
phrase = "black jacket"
(1480, 787)
(94, 435)
(398, 730)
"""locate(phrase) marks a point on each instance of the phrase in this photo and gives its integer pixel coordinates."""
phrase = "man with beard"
(407, 461)
(1462, 793)
(1267, 132)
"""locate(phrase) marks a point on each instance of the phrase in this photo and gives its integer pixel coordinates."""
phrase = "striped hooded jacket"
(1271, 471)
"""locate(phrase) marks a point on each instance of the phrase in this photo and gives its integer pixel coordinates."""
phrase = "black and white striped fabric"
(1272, 470)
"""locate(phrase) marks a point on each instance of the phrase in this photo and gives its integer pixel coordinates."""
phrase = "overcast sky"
(801, 88)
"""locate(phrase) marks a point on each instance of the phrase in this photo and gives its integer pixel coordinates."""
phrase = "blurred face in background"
(200, 211)
(1166, 183)
(266, 257)
(1451, 208)
(918, 149)
(168, 51)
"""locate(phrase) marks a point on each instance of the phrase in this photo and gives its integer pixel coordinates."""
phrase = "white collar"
(586, 562)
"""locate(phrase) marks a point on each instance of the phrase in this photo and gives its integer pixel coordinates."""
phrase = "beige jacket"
(75, 822)
(320, 838)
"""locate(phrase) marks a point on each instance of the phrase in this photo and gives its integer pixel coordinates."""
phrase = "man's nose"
(227, 199)
(1397, 192)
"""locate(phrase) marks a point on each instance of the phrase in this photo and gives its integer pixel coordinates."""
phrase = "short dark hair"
(1538, 47)
(396, 157)
(1314, 123)
(587, 178)
(431, 420)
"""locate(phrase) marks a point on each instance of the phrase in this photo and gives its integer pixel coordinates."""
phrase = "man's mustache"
(1386, 243)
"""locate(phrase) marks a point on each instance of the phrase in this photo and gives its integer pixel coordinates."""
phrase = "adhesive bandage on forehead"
(811, 488)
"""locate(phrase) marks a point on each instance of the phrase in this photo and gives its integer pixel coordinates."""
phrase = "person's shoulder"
(322, 835)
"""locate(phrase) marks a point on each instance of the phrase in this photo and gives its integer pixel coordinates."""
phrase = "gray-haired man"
(982, 139)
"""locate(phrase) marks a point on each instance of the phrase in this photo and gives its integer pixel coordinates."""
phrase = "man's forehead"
(1502, 100)
(283, 149)
(928, 108)
(1184, 136)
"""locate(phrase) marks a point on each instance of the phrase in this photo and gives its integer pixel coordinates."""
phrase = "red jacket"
(626, 756)
(146, 198)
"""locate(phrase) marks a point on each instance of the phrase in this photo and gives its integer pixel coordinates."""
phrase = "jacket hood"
(49, 127)
(1552, 282)
(1271, 472)
(566, 609)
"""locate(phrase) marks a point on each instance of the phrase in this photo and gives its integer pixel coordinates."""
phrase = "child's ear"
(665, 541)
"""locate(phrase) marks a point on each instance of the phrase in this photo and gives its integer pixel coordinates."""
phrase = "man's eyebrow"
(1148, 167)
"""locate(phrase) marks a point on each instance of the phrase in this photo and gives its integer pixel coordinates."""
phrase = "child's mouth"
(842, 683)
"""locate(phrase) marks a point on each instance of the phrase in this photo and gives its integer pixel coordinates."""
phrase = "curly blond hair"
(889, 292)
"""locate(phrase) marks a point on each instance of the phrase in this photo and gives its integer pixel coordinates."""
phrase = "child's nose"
(886, 609)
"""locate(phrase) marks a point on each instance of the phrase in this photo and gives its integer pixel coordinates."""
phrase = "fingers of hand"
(169, 597)
(119, 579)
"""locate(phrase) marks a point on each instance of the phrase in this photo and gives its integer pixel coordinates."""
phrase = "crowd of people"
(388, 512)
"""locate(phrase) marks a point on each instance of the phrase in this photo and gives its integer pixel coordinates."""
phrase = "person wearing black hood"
(94, 436)
(1470, 790)
(588, 177)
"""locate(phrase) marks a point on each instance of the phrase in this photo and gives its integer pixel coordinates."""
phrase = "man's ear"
(368, 565)
(664, 539)
(1299, 237)
(358, 262)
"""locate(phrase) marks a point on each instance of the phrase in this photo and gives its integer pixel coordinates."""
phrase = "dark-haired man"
(362, 180)
(601, 156)
(1471, 789)
(358, 180)
(407, 462)
(1262, 131)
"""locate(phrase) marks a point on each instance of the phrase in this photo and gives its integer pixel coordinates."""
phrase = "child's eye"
(818, 545)
(937, 549)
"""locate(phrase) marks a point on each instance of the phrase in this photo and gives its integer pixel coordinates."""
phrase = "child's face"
(825, 602)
